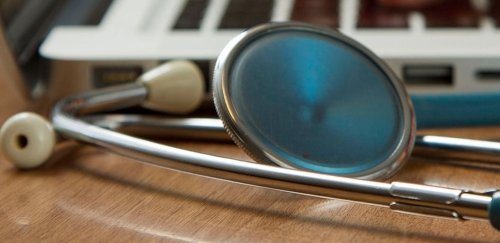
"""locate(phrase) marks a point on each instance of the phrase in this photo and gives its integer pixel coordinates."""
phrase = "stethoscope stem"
(213, 129)
(406, 197)
(120, 96)
(472, 145)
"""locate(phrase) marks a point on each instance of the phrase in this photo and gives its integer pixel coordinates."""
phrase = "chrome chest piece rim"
(263, 148)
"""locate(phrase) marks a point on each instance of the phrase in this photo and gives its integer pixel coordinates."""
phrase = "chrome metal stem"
(162, 127)
(413, 198)
(113, 98)
(472, 145)
(469, 152)
(483, 154)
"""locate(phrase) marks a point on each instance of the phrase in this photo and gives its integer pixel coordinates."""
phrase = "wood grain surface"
(86, 194)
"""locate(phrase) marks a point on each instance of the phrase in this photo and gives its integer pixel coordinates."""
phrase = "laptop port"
(428, 74)
(488, 74)
(104, 76)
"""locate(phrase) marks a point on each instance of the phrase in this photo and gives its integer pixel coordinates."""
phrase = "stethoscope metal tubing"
(152, 126)
(472, 145)
(413, 198)
(213, 129)
(112, 98)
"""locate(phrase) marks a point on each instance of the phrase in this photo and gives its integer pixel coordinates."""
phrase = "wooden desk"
(88, 194)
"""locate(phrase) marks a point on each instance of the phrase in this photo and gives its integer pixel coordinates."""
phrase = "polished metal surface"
(458, 144)
(213, 129)
(423, 192)
(67, 123)
(416, 209)
(468, 152)
(121, 96)
(162, 127)
(191, 126)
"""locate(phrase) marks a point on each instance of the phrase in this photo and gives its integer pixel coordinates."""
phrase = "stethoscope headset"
(309, 99)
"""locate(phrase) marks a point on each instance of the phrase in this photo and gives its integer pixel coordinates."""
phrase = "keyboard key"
(243, 14)
(373, 14)
(437, 14)
(451, 14)
(407, 4)
(191, 15)
(495, 12)
(320, 12)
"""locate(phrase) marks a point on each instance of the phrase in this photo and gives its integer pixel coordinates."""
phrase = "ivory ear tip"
(27, 140)
(176, 87)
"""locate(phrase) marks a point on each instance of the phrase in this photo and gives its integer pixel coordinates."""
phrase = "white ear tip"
(176, 87)
(27, 140)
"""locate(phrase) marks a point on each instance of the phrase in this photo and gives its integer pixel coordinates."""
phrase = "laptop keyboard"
(444, 46)
(243, 14)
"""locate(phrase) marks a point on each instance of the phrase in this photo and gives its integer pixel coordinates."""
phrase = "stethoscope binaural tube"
(414, 198)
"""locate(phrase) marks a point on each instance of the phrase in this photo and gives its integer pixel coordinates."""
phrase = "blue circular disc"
(315, 102)
(311, 98)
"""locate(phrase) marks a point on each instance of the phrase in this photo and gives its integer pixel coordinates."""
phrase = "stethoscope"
(309, 99)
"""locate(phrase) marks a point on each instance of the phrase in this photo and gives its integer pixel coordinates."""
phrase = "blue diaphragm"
(309, 100)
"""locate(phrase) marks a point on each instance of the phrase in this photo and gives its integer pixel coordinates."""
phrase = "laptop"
(447, 53)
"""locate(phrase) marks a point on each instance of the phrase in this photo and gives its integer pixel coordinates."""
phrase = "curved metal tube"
(162, 127)
(477, 153)
(413, 198)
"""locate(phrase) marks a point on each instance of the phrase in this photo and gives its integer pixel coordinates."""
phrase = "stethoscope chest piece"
(305, 97)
